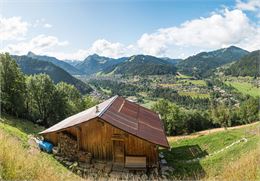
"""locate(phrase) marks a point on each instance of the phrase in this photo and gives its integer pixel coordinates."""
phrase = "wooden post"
(157, 156)
(78, 136)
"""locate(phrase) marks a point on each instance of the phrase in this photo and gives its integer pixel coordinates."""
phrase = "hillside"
(216, 154)
(202, 64)
(220, 154)
(246, 66)
(144, 65)
(171, 60)
(95, 63)
(32, 66)
(20, 160)
(62, 64)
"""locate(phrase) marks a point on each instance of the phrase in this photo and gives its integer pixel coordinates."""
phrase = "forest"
(36, 97)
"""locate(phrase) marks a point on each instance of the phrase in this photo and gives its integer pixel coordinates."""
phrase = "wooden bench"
(135, 162)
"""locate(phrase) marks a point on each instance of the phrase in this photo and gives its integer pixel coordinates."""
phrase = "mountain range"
(144, 65)
(204, 63)
(95, 63)
(32, 66)
(200, 65)
(62, 64)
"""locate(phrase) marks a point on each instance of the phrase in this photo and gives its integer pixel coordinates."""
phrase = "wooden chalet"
(116, 130)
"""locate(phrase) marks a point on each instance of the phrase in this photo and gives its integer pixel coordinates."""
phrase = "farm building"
(116, 130)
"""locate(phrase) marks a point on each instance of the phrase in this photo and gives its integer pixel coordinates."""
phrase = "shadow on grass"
(182, 159)
(23, 125)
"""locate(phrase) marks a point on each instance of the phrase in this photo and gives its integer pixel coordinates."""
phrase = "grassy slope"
(245, 88)
(194, 94)
(195, 82)
(17, 164)
(215, 166)
(16, 159)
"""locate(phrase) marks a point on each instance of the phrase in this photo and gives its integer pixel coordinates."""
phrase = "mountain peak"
(94, 56)
(233, 47)
(31, 54)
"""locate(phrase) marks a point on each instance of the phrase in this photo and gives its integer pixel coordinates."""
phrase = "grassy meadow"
(244, 157)
(19, 162)
(245, 88)
(194, 94)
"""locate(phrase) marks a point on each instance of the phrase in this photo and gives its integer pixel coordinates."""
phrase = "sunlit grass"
(194, 94)
(245, 88)
(216, 166)
(194, 82)
(18, 162)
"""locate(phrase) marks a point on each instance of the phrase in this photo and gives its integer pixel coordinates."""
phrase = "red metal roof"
(124, 115)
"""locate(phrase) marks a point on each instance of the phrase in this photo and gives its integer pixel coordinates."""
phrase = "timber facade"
(116, 140)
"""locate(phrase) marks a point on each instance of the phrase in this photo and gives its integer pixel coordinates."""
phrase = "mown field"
(194, 94)
(238, 162)
(245, 88)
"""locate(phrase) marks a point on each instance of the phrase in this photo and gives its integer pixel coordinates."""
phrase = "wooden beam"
(79, 137)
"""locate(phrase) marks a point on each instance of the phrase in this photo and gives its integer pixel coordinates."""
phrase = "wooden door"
(119, 152)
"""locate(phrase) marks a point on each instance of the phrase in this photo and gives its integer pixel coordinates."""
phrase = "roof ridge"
(105, 108)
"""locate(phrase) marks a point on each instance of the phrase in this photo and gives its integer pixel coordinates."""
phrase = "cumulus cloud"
(39, 44)
(250, 5)
(101, 47)
(229, 27)
(12, 28)
(106, 48)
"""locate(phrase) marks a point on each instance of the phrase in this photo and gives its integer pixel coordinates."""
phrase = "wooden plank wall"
(96, 138)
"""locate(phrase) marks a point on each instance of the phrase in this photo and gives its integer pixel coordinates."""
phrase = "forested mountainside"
(202, 64)
(32, 66)
(144, 65)
(248, 65)
(62, 64)
(95, 63)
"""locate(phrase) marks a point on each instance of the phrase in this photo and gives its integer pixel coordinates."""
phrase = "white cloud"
(47, 25)
(249, 5)
(12, 28)
(39, 44)
(106, 48)
(41, 23)
(218, 30)
(101, 47)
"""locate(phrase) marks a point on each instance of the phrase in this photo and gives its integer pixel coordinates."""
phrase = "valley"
(132, 90)
(211, 118)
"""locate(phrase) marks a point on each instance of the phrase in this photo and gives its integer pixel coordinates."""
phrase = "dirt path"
(206, 132)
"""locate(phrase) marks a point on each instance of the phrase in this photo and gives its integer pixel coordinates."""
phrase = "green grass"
(107, 91)
(17, 162)
(148, 103)
(19, 127)
(195, 82)
(245, 88)
(182, 76)
(194, 94)
(187, 149)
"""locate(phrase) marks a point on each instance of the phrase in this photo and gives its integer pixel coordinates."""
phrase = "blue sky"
(176, 28)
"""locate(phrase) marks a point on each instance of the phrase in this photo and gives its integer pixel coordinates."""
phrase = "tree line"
(178, 120)
(36, 97)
